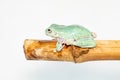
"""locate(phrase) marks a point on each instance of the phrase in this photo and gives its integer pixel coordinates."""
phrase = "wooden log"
(45, 50)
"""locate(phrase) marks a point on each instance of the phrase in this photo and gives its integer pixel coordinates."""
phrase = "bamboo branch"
(45, 50)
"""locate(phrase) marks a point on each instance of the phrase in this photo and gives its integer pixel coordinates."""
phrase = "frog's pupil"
(49, 31)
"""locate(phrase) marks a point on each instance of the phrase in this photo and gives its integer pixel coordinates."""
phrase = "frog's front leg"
(59, 46)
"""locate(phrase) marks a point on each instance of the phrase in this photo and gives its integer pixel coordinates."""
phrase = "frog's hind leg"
(87, 44)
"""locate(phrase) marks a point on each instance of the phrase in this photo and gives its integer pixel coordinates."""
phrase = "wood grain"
(45, 50)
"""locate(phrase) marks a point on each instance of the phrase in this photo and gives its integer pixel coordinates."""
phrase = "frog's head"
(52, 31)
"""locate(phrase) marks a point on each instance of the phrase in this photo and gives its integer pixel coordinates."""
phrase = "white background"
(27, 19)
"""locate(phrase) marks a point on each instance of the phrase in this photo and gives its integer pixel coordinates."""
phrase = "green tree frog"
(71, 35)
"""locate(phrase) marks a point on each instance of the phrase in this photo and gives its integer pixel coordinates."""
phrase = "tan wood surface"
(45, 50)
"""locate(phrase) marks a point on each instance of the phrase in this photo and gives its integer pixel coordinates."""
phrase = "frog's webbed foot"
(59, 46)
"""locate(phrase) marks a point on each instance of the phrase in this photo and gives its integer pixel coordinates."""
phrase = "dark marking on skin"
(74, 40)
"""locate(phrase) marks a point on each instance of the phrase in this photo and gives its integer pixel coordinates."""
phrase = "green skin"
(71, 35)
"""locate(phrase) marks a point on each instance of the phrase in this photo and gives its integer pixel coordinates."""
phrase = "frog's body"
(71, 35)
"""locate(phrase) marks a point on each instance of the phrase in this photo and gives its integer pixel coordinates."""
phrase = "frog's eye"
(49, 30)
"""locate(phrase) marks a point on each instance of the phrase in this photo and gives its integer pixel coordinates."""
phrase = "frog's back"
(77, 31)
(78, 28)
(80, 36)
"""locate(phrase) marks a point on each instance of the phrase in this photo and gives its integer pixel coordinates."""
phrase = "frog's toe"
(58, 49)
(59, 46)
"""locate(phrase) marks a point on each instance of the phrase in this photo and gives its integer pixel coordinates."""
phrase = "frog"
(75, 35)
